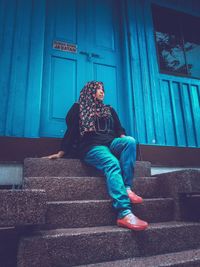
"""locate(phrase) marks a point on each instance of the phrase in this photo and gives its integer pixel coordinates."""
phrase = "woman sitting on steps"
(102, 143)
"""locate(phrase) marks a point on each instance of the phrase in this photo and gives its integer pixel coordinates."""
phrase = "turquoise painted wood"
(92, 25)
(7, 22)
(38, 84)
(164, 116)
(21, 59)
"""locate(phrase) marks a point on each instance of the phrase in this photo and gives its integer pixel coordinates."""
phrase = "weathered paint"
(155, 108)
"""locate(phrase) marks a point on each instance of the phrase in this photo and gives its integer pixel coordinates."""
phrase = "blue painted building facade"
(50, 49)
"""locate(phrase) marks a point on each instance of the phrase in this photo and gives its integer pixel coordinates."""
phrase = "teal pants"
(117, 163)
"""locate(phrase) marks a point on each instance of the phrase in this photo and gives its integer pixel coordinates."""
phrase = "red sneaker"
(130, 221)
(135, 199)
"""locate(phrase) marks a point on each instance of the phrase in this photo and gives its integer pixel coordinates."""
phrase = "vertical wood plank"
(19, 66)
(188, 116)
(153, 75)
(177, 113)
(170, 133)
(195, 102)
(7, 22)
(135, 63)
(147, 108)
(35, 70)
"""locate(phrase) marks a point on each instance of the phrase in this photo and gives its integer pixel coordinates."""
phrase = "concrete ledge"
(184, 181)
(22, 207)
(175, 183)
(38, 167)
(10, 174)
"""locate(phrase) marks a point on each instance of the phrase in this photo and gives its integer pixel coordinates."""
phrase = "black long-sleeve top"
(74, 145)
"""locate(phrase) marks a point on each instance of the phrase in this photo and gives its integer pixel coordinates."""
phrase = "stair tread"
(112, 229)
(163, 260)
(102, 201)
(85, 188)
(85, 213)
(82, 177)
(64, 177)
(76, 246)
(76, 231)
(72, 167)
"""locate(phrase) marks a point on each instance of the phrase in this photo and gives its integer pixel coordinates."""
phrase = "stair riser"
(38, 167)
(78, 188)
(22, 207)
(184, 264)
(181, 264)
(177, 259)
(83, 188)
(80, 249)
(71, 215)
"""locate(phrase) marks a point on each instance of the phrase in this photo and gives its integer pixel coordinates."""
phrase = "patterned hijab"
(90, 108)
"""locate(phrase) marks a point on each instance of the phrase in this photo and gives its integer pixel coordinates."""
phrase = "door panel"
(61, 68)
(92, 25)
(103, 25)
(104, 40)
(66, 20)
(60, 97)
(108, 74)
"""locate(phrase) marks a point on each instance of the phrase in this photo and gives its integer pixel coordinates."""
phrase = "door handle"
(84, 53)
(90, 55)
(96, 55)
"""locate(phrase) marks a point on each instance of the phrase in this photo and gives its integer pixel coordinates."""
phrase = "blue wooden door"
(91, 27)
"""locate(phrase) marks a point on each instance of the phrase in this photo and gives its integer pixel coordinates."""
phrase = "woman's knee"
(130, 141)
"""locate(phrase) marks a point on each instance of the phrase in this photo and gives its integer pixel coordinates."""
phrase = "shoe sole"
(134, 228)
(135, 202)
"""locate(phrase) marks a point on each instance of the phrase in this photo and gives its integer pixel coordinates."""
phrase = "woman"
(102, 143)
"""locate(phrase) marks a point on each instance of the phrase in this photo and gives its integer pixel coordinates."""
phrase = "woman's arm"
(72, 132)
(58, 155)
(120, 131)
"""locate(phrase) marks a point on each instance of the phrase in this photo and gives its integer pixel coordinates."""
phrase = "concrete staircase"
(81, 229)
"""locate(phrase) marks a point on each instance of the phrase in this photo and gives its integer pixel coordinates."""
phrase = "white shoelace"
(132, 218)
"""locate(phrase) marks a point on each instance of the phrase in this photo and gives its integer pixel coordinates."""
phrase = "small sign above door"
(63, 46)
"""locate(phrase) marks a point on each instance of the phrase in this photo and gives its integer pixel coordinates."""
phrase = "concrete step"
(80, 188)
(69, 188)
(150, 187)
(76, 246)
(100, 212)
(39, 167)
(186, 258)
(22, 207)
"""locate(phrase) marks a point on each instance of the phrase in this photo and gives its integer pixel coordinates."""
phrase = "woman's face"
(100, 93)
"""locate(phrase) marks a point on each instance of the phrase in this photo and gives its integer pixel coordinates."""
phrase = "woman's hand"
(58, 155)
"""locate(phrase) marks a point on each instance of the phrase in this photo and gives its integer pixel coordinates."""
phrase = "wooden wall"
(165, 109)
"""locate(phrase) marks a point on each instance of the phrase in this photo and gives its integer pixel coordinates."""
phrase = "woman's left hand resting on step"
(58, 155)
